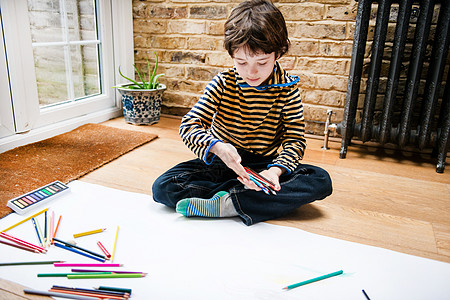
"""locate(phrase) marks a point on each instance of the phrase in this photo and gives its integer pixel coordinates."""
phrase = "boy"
(249, 116)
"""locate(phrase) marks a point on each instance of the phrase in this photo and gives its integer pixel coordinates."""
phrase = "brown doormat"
(65, 157)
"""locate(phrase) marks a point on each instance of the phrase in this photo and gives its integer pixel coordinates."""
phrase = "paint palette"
(36, 198)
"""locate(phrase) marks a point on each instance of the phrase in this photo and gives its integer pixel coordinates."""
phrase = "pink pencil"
(85, 265)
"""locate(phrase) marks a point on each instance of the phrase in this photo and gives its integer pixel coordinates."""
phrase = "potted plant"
(141, 101)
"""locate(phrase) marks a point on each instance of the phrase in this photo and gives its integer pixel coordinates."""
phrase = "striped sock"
(220, 205)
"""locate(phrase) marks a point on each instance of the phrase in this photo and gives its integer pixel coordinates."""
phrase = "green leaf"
(140, 77)
(133, 81)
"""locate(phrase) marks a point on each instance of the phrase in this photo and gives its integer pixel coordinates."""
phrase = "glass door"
(62, 66)
(6, 114)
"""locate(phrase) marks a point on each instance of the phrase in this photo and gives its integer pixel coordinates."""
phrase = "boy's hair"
(258, 25)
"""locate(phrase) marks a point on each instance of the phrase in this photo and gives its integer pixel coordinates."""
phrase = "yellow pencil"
(115, 243)
(24, 220)
(76, 235)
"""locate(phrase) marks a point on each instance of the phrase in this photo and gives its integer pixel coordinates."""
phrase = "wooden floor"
(381, 198)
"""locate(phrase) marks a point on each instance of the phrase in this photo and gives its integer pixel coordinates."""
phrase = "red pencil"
(21, 242)
(259, 176)
(104, 249)
(20, 247)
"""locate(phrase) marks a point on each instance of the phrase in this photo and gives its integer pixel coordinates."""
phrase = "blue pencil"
(45, 228)
(263, 188)
(37, 231)
(78, 252)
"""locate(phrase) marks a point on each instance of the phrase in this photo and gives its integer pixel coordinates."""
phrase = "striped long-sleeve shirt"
(266, 120)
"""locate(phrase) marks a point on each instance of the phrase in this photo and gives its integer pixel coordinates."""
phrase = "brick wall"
(187, 35)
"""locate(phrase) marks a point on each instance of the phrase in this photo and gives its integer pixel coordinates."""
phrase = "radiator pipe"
(328, 126)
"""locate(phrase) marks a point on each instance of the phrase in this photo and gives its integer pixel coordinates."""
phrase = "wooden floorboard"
(383, 198)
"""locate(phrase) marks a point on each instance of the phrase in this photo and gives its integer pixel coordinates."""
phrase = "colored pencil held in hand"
(263, 183)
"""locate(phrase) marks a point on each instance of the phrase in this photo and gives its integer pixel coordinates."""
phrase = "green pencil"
(65, 274)
(313, 280)
(113, 275)
(21, 263)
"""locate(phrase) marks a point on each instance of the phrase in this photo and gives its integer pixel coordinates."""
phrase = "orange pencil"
(56, 229)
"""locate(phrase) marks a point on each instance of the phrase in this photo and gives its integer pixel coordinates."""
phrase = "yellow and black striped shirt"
(266, 120)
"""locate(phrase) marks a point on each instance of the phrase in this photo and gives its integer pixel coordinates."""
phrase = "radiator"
(415, 100)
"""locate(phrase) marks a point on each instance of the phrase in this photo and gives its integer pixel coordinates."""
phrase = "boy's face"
(254, 68)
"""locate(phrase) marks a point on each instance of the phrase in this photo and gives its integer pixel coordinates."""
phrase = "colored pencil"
(365, 294)
(79, 248)
(65, 274)
(90, 292)
(38, 228)
(37, 232)
(77, 235)
(78, 252)
(109, 288)
(52, 226)
(57, 226)
(112, 271)
(104, 249)
(289, 287)
(260, 176)
(54, 294)
(24, 220)
(20, 246)
(24, 263)
(264, 189)
(21, 242)
(106, 291)
(255, 177)
(45, 228)
(82, 265)
(94, 276)
(115, 243)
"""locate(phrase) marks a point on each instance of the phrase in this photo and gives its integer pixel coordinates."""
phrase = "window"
(60, 73)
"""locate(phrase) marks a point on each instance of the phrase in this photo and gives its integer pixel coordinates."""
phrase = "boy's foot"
(220, 205)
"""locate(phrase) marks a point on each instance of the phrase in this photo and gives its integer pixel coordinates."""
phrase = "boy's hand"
(273, 174)
(229, 155)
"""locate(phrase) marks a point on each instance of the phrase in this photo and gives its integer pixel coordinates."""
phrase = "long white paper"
(197, 258)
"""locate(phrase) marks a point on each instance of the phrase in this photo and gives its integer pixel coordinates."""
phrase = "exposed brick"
(322, 30)
(287, 62)
(217, 59)
(342, 13)
(202, 73)
(302, 11)
(332, 82)
(307, 80)
(204, 43)
(149, 26)
(184, 57)
(304, 48)
(326, 98)
(186, 86)
(323, 66)
(336, 49)
(215, 28)
(162, 11)
(186, 27)
(157, 41)
(208, 12)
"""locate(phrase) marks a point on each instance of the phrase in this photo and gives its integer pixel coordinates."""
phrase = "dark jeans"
(194, 178)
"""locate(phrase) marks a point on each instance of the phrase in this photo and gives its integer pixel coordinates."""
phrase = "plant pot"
(141, 107)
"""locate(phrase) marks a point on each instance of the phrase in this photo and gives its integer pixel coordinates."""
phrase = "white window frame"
(34, 124)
